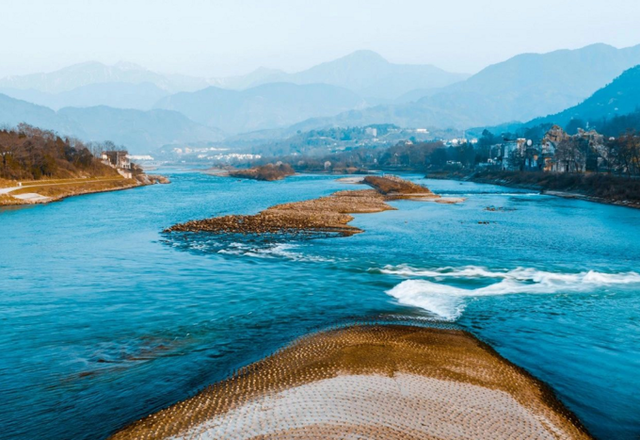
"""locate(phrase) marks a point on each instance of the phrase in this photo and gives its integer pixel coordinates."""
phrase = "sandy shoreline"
(392, 382)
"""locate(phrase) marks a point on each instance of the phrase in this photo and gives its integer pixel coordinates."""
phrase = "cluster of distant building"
(556, 152)
(210, 154)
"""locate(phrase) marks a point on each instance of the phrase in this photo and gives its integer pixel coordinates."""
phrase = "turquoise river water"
(104, 319)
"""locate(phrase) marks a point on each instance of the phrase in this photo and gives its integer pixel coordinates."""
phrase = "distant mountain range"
(139, 131)
(145, 110)
(93, 72)
(140, 96)
(621, 97)
(266, 106)
(364, 72)
(520, 88)
(263, 99)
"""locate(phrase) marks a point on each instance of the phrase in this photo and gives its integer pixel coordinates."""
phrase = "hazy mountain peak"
(364, 55)
(364, 71)
(598, 47)
(371, 75)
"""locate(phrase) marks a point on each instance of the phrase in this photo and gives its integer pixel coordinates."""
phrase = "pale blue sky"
(215, 38)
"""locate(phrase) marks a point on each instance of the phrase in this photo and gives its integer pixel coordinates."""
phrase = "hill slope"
(14, 111)
(137, 130)
(140, 96)
(621, 97)
(520, 88)
(531, 85)
(266, 106)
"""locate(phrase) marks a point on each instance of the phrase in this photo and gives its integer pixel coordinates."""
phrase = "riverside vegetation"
(38, 166)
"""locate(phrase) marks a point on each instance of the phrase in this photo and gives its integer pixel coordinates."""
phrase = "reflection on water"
(105, 318)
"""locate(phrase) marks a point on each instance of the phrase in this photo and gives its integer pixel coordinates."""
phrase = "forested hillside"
(28, 153)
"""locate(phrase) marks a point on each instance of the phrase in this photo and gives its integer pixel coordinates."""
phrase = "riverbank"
(378, 381)
(599, 188)
(46, 191)
(329, 214)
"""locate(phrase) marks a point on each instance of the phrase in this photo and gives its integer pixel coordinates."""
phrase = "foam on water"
(448, 302)
(279, 250)
(286, 250)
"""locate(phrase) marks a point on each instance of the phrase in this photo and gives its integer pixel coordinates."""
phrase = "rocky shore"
(371, 382)
(152, 179)
(329, 214)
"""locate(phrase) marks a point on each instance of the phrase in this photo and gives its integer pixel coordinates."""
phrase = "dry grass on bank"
(61, 188)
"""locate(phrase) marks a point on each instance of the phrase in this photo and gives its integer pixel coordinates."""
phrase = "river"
(104, 319)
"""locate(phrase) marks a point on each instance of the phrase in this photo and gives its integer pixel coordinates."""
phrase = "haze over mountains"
(140, 96)
(144, 110)
(364, 72)
(93, 72)
(621, 97)
(518, 89)
(140, 131)
(262, 107)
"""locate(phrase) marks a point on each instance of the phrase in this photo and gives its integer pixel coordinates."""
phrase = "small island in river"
(269, 172)
(329, 214)
(371, 381)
